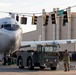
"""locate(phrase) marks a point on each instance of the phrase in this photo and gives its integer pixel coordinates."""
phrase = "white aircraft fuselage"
(10, 34)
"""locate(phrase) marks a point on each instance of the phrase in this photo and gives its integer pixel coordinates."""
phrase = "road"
(14, 70)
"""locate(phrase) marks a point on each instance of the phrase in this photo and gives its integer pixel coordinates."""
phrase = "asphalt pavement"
(14, 70)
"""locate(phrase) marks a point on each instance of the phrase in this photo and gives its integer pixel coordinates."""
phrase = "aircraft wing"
(49, 42)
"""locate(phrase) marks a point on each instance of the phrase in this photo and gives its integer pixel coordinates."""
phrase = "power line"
(70, 7)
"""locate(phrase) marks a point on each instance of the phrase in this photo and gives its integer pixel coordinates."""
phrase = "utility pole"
(54, 27)
(57, 26)
(69, 23)
(43, 27)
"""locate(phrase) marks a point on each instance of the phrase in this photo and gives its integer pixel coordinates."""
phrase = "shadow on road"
(14, 68)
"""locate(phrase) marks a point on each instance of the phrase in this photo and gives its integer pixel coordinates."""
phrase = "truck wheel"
(29, 63)
(20, 61)
(53, 68)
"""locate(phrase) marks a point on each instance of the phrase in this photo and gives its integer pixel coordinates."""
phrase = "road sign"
(60, 12)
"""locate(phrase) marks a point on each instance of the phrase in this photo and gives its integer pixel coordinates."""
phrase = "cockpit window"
(7, 25)
(11, 27)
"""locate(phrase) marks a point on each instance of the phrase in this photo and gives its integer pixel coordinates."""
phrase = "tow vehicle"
(44, 56)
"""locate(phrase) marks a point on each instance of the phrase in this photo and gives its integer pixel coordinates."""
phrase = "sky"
(34, 6)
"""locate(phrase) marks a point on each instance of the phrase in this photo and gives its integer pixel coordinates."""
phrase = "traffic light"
(45, 19)
(34, 19)
(53, 18)
(23, 20)
(17, 17)
(65, 13)
(65, 17)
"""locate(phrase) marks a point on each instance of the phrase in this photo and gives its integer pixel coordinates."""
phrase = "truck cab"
(47, 56)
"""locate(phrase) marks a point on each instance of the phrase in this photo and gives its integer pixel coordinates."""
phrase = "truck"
(44, 56)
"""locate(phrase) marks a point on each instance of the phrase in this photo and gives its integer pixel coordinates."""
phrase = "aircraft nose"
(16, 36)
(15, 40)
(10, 41)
